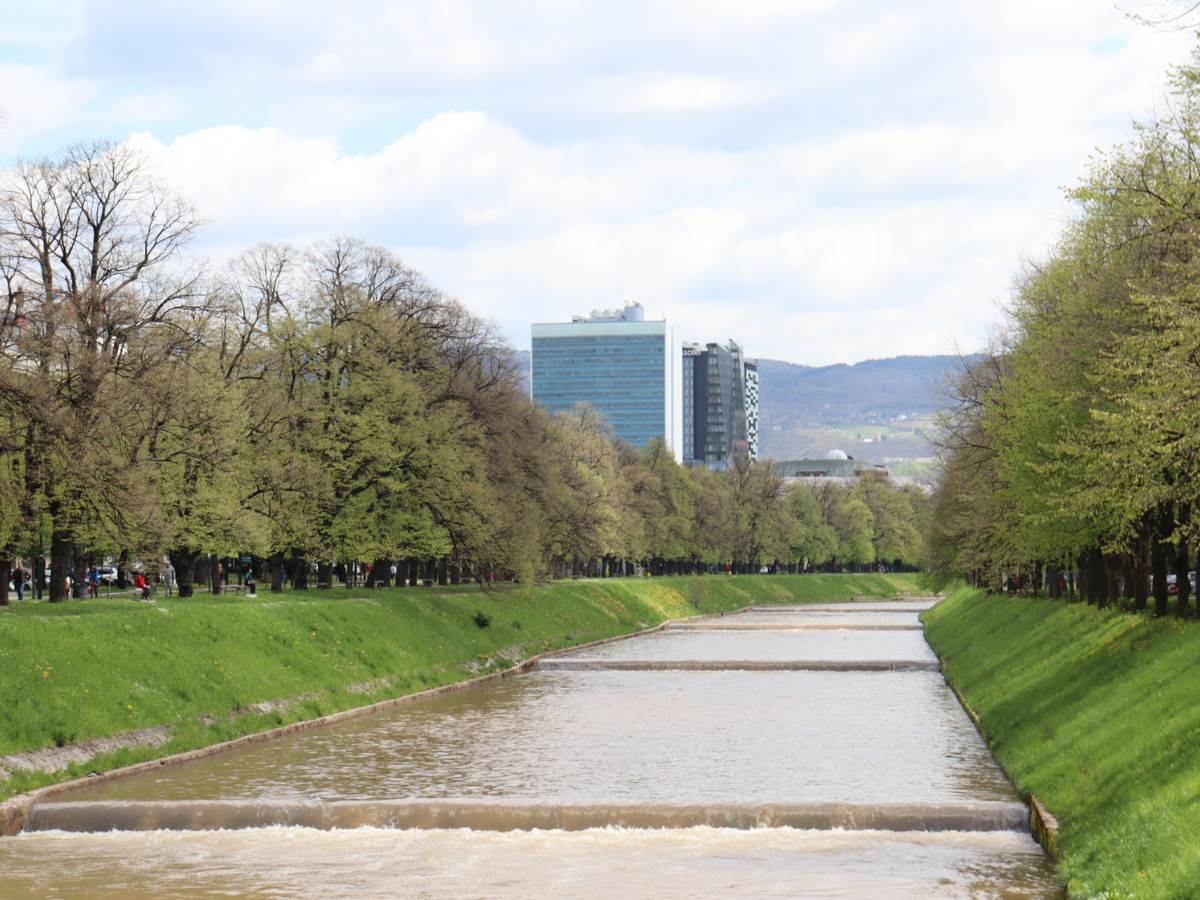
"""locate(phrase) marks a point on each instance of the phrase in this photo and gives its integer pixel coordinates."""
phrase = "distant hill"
(877, 390)
(880, 409)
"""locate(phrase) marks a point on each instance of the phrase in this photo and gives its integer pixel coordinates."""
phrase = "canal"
(794, 752)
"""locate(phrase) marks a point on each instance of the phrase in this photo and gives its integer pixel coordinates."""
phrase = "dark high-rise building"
(720, 405)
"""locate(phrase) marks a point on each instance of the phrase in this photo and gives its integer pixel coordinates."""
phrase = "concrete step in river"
(767, 762)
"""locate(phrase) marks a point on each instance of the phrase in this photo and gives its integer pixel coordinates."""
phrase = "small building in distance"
(836, 466)
(624, 367)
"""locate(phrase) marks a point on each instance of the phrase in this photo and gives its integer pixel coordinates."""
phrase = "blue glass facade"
(622, 368)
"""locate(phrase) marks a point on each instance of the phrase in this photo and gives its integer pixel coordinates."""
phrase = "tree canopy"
(1072, 448)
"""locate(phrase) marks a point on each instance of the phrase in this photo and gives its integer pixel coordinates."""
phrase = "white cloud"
(682, 93)
(821, 180)
(141, 109)
(36, 99)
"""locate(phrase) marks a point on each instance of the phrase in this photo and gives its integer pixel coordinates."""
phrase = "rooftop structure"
(836, 466)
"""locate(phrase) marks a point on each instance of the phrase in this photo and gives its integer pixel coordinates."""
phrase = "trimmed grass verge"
(216, 668)
(1095, 712)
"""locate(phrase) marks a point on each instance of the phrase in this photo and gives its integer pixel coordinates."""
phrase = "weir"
(567, 664)
(815, 750)
(772, 626)
(200, 815)
(851, 609)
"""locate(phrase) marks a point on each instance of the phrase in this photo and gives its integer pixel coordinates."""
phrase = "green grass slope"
(99, 668)
(1095, 712)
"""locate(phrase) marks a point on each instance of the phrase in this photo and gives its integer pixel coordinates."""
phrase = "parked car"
(108, 574)
(1173, 583)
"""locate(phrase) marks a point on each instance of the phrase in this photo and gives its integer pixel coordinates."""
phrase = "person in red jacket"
(139, 583)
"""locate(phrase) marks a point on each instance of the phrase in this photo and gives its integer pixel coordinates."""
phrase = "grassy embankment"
(1095, 712)
(89, 669)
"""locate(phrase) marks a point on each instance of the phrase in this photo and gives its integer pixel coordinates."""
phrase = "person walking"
(169, 579)
(94, 581)
(19, 582)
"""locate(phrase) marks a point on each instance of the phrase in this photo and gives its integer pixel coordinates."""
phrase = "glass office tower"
(626, 368)
(720, 405)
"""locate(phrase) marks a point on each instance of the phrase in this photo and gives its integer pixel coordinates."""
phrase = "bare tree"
(92, 245)
(1164, 15)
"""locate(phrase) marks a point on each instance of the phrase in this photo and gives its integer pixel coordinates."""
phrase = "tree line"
(324, 406)
(1072, 450)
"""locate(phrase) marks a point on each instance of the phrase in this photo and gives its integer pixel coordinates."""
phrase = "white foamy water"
(819, 617)
(693, 862)
(644, 739)
(766, 645)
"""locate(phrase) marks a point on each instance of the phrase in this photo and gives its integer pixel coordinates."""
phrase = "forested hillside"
(879, 409)
(876, 390)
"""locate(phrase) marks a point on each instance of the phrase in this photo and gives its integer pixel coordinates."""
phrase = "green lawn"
(1096, 713)
(95, 668)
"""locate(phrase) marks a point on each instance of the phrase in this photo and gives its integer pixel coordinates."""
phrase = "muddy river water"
(799, 752)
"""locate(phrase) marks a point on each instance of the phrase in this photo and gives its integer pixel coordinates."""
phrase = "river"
(797, 752)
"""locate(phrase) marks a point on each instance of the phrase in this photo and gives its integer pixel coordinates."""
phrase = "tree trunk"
(1158, 575)
(214, 575)
(60, 564)
(1097, 578)
(184, 561)
(79, 583)
(300, 568)
(324, 575)
(277, 572)
(1113, 565)
(5, 575)
(1137, 569)
(443, 575)
(1093, 577)
(1180, 563)
(123, 570)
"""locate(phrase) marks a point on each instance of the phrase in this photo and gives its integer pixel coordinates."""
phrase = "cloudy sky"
(823, 180)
